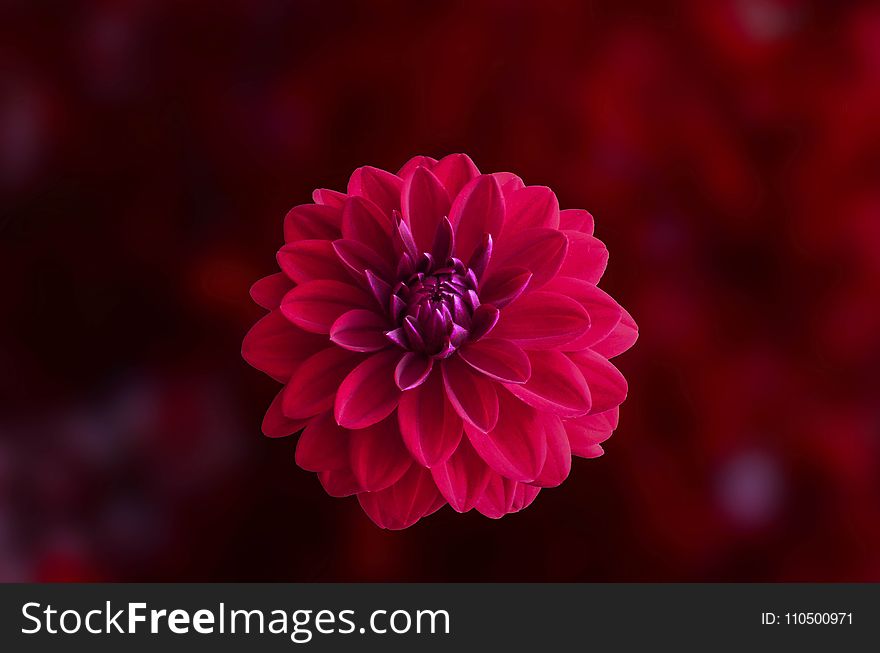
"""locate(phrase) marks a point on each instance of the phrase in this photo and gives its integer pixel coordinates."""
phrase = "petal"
(323, 445)
(530, 207)
(542, 320)
(368, 394)
(541, 251)
(275, 346)
(377, 455)
(276, 424)
(607, 385)
(510, 183)
(497, 499)
(268, 291)
(307, 260)
(339, 483)
(311, 222)
(505, 286)
(329, 197)
(471, 394)
(454, 172)
(360, 330)
(425, 204)
(523, 496)
(412, 370)
(478, 210)
(556, 385)
(483, 320)
(417, 161)
(312, 388)
(517, 446)
(587, 257)
(400, 506)
(622, 337)
(498, 359)
(604, 312)
(430, 427)
(360, 258)
(576, 220)
(557, 466)
(380, 187)
(462, 478)
(315, 305)
(365, 222)
(584, 433)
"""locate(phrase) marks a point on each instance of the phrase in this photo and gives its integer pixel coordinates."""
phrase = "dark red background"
(729, 150)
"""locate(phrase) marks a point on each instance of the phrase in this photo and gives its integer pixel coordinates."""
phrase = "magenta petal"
(497, 499)
(621, 338)
(339, 483)
(542, 320)
(276, 424)
(454, 172)
(607, 385)
(471, 394)
(380, 187)
(523, 496)
(462, 478)
(275, 346)
(400, 506)
(505, 286)
(408, 168)
(533, 206)
(313, 386)
(586, 259)
(541, 251)
(360, 259)
(584, 433)
(557, 466)
(479, 261)
(365, 222)
(430, 427)
(498, 359)
(510, 183)
(605, 313)
(483, 321)
(425, 204)
(576, 220)
(329, 197)
(268, 291)
(315, 305)
(517, 446)
(323, 445)
(478, 210)
(368, 394)
(556, 385)
(377, 455)
(360, 330)
(312, 222)
(307, 260)
(444, 241)
(412, 370)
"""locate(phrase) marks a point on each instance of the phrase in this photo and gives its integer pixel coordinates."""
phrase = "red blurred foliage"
(730, 152)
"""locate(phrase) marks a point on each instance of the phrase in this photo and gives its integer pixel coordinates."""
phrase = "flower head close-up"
(441, 339)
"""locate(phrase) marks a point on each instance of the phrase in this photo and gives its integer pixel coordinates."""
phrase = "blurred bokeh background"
(730, 151)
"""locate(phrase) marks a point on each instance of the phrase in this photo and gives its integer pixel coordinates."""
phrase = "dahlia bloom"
(441, 339)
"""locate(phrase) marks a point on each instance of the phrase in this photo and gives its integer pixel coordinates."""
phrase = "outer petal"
(412, 370)
(454, 172)
(313, 387)
(477, 210)
(359, 258)
(360, 330)
(414, 496)
(268, 291)
(368, 394)
(505, 286)
(587, 257)
(604, 312)
(275, 346)
(377, 455)
(462, 478)
(339, 483)
(542, 251)
(607, 385)
(556, 385)
(425, 204)
(530, 207)
(523, 496)
(417, 161)
(365, 222)
(587, 432)
(498, 359)
(557, 466)
(307, 260)
(380, 187)
(497, 498)
(311, 222)
(621, 338)
(472, 395)
(323, 445)
(542, 320)
(329, 197)
(517, 446)
(315, 305)
(430, 427)
(576, 220)
(275, 424)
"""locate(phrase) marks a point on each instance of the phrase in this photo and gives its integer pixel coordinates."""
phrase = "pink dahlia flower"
(441, 339)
